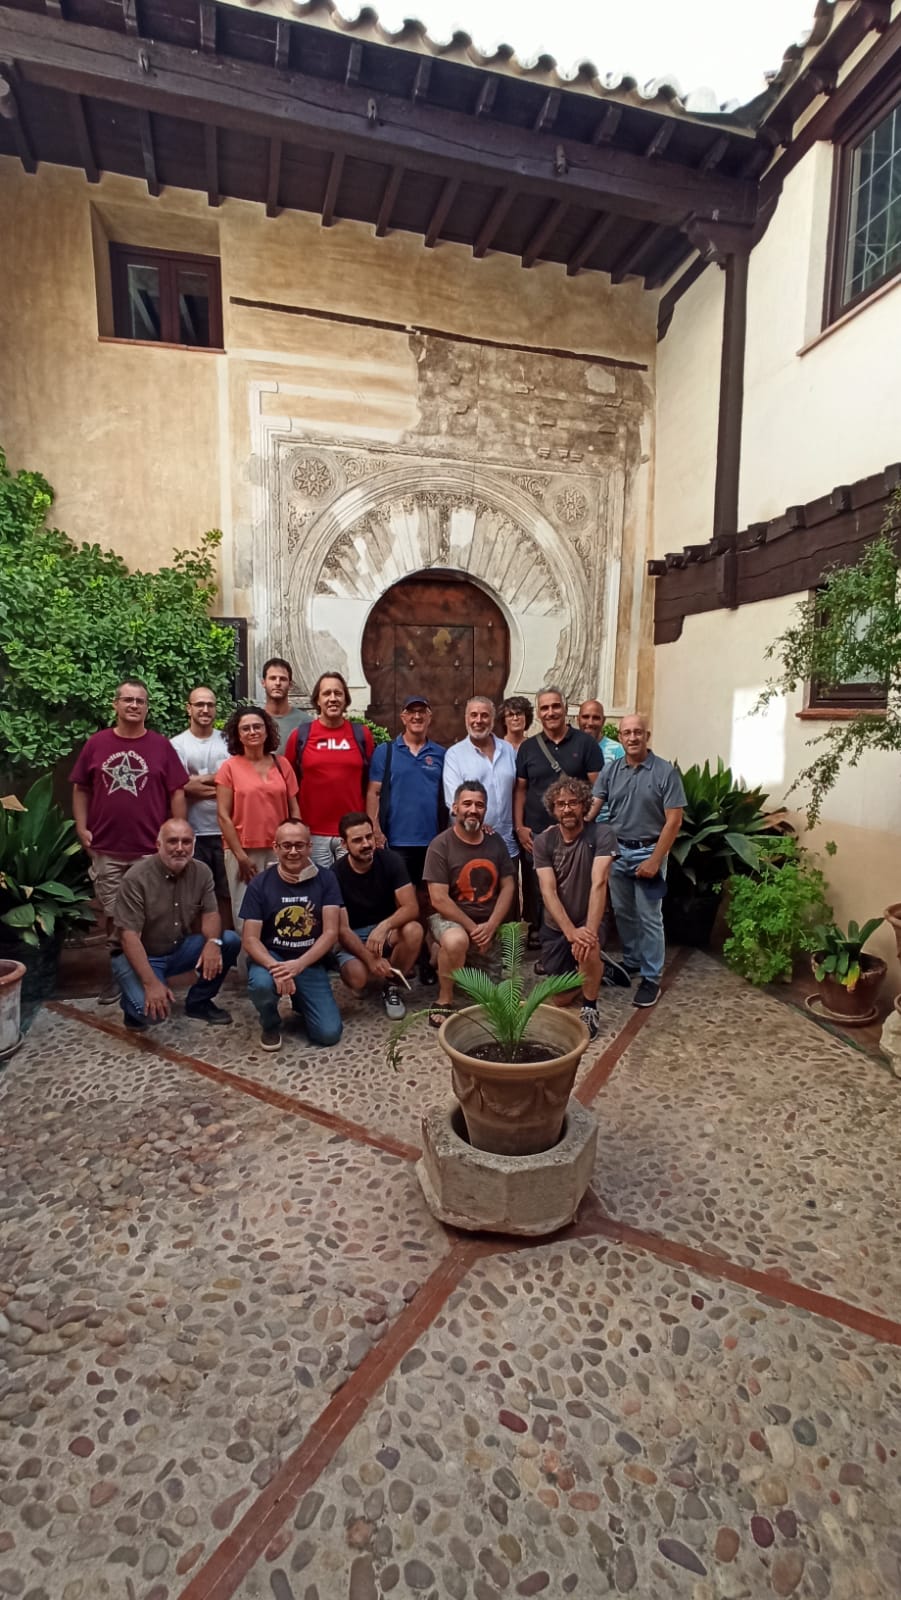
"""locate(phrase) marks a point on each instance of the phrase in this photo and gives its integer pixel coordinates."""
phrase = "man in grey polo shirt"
(645, 798)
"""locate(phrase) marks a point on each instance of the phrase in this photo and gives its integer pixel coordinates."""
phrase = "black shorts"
(556, 951)
(413, 857)
(208, 849)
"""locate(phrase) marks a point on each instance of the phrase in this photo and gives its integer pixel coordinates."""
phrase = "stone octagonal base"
(528, 1195)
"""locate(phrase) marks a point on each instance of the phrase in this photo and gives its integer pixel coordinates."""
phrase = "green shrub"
(724, 828)
(75, 620)
(379, 734)
(44, 884)
(774, 916)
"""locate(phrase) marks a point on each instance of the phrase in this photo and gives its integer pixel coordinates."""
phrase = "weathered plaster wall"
(176, 441)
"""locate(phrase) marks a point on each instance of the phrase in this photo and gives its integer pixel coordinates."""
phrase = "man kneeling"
(471, 885)
(573, 860)
(291, 914)
(158, 902)
(379, 934)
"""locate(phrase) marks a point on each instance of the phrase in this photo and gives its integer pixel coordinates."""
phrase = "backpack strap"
(303, 734)
(360, 737)
(385, 791)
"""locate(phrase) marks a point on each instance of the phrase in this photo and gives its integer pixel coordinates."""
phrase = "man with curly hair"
(572, 862)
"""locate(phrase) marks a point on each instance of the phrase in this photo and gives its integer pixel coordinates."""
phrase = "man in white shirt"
(492, 761)
(203, 749)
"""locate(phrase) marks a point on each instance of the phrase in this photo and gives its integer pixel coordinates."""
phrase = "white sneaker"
(395, 1010)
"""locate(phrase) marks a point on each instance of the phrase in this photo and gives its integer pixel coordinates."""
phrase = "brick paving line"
(231, 1080)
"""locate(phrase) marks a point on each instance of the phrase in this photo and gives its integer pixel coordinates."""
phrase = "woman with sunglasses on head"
(517, 713)
(256, 790)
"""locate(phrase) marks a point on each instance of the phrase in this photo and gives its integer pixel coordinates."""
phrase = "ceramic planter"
(514, 1108)
(11, 975)
(860, 1000)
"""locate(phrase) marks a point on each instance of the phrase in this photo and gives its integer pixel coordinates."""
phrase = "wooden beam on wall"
(148, 153)
(83, 139)
(628, 259)
(487, 97)
(11, 113)
(661, 139)
(282, 44)
(211, 162)
(273, 177)
(421, 81)
(605, 129)
(731, 403)
(321, 115)
(354, 63)
(333, 184)
(547, 116)
(589, 242)
(207, 11)
(546, 227)
(389, 198)
(438, 218)
(670, 300)
(713, 155)
(497, 211)
(130, 16)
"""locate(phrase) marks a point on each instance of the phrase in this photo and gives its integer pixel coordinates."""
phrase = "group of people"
(340, 855)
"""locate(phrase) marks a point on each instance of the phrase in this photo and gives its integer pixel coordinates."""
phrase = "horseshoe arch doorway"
(439, 635)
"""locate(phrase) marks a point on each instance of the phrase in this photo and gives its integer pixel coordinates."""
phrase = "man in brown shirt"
(160, 899)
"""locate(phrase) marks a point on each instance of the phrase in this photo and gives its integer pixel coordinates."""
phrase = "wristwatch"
(215, 941)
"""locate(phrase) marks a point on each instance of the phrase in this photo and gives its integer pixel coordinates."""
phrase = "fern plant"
(505, 1009)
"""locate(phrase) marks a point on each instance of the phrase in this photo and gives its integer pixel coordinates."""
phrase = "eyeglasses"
(290, 848)
(202, 705)
(252, 727)
(131, 699)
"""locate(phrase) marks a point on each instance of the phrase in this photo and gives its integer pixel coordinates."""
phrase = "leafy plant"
(505, 1009)
(44, 884)
(850, 630)
(837, 953)
(74, 620)
(773, 916)
(379, 734)
(611, 731)
(724, 827)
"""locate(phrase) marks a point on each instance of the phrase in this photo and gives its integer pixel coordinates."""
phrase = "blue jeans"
(638, 917)
(185, 956)
(312, 1000)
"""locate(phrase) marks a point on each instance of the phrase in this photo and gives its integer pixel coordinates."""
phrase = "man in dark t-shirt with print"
(572, 863)
(379, 934)
(471, 885)
(557, 750)
(291, 917)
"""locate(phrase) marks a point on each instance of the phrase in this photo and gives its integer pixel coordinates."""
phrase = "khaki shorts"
(107, 873)
(485, 960)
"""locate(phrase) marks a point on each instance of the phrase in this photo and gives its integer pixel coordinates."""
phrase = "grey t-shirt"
(638, 797)
(571, 863)
(472, 872)
(202, 758)
(288, 721)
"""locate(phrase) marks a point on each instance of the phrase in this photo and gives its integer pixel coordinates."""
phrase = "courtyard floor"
(238, 1357)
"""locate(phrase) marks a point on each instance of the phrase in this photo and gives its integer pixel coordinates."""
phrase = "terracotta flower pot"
(514, 1108)
(11, 975)
(854, 1002)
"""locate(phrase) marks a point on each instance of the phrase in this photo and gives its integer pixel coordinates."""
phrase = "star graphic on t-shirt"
(125, 770)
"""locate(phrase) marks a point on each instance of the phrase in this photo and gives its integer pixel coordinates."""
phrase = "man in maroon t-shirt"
(127, 782)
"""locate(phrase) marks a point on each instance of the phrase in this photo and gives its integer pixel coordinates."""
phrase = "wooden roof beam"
(354, 63)
(487, 96)
(713, 155)
(130, 16)
(83, 139)
(589, 242)
(547, 116)
(446, 199)
(629, 258)
(497, 211)
(273, 177)
(321, 115)
(658, 143)
(211, 163)
(605, 130)
(282, 44)
(421, 81)
(546, 227)
(148, 153)
(389, 199)
(11, 113)
(207, 10)
(333, 184)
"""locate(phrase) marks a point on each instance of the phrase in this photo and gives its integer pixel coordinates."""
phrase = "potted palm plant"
(850, 979)
(44, 889)
(513, 1057)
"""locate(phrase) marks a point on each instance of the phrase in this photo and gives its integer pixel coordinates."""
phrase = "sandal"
(532, 940)
(438, 1013)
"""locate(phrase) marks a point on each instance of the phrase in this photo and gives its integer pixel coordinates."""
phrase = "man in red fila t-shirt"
(331, 757)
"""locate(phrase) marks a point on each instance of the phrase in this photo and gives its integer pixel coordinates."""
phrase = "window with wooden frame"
(166, 297)
(859, 693)
(865, 229)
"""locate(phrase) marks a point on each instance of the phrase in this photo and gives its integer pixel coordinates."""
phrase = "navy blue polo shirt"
(414, 791)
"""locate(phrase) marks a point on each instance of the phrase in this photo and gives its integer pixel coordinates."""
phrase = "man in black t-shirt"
(557, 750)
(379, 935)
(470, 879)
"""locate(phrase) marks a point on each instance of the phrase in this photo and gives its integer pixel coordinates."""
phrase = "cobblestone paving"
(735, 1126)
(186, 1276)
(351, 1080)
(584, 1420)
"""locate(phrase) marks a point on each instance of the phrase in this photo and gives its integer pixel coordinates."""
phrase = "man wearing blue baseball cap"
(404, 798)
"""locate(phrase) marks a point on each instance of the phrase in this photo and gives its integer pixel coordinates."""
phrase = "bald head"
(175, 844)
(635, 734)
(591, 718)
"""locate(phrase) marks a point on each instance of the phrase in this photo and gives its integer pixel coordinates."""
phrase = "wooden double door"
(439, 636)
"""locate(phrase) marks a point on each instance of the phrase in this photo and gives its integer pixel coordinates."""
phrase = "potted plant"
(723, 828)
(513, 1058)
(850, 979)
(773, 916)
(44, 889)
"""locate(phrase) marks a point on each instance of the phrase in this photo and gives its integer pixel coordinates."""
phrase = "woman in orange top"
(256, 790)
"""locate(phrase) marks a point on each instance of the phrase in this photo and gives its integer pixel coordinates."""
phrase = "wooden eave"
(243, 102)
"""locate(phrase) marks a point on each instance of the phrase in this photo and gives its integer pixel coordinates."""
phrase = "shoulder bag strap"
(548, 754)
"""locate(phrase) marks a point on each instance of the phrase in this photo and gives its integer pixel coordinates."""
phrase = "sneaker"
(591, 1020)
(539, 969)
(392, 1000)
(616, 976)
(136, 1024)
(110, 994)
(208, 1011)
(427, 973)
(270, 1039)
(647, 993)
